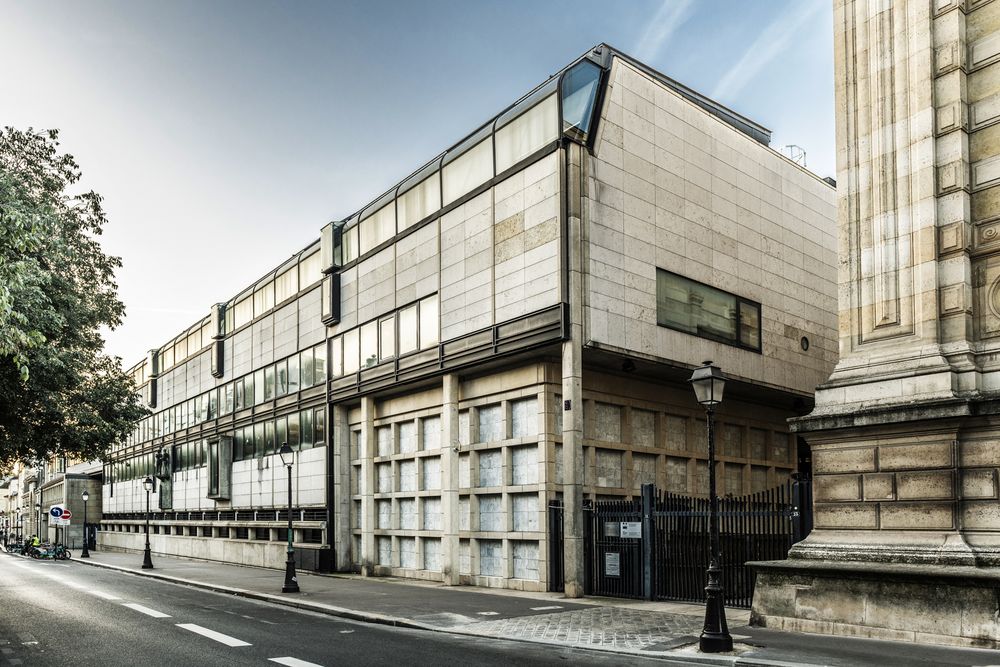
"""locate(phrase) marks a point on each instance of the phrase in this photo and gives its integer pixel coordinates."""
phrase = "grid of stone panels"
(502, 498)
(631, 442)
(408, 514)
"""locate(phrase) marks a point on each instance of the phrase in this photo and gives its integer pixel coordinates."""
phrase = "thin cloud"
(768, 45)
(672, 15)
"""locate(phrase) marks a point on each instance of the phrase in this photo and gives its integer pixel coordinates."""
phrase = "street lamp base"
(291, 584)
(85, 554)
(147, 561)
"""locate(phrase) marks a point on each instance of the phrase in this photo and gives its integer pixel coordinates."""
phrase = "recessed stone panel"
(981, 515)
(918, 516)
(843, 515)
(978, 453)
(837, 487)
(878, 486)
(858, 459)
(979, 483)
(925, 485)
(904, 457)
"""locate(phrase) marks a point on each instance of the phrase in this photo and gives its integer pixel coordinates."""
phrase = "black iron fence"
(657, 546)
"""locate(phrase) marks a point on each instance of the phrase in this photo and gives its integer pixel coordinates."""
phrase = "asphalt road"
(59, 613)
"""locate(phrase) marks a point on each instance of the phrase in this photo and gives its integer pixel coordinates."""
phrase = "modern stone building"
(512, 324)
(905, 431)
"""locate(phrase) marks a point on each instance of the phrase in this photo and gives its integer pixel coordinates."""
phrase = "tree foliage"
(59, 392)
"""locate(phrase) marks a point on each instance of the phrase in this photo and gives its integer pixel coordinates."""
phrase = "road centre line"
(294, 662)
(555, 606)
(106, 596)
(145, 610)
(212, 634)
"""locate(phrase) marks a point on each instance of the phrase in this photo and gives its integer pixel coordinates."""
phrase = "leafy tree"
(59, 392)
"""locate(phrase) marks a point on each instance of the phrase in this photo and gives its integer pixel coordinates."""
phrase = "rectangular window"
(387, 338)
(238, 453)
(468, 171)
(227, 403)
(408, 329)
(369, 344)
(306, 429)
(527, 133)
(286, 285)
(259, 387)
(293, 373)
(248, 391)
(352, 351)
(268, 383)
(213, 404)
(350, 241)
(306, 368)
(263, 299)
(378, 227)
(319, 423)
(280, 431)
(243, 312)
(336, 358)
(692, 307)
(310, 270)
(281, 378)
(293, 430)
(428, 322)
(319, 363)
(269, 437)
(419, 201)
(258, 440)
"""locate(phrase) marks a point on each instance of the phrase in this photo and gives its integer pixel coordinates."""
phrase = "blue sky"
(223, 135)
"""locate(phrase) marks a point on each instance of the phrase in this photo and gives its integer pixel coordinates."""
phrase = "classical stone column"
(907, 520)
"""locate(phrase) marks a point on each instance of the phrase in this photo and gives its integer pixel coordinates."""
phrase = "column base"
(935, 604)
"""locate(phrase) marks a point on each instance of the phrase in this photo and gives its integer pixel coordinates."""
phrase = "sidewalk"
(655, 629)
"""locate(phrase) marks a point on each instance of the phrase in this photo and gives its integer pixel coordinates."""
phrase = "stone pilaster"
(449, 480)
(340, 450)
(906, 542)
(369, 447)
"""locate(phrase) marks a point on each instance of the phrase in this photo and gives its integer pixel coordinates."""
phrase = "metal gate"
(657, 546)
(556, 564)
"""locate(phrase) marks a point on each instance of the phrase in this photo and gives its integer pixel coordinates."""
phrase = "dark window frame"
(738, 301)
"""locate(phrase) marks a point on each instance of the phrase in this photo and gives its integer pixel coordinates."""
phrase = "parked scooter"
(50, 552)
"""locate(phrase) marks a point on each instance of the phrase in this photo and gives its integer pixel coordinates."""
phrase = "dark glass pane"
(268, 383)
(579, 91)
(695, 308)
(269, 437)
(293, 431)
(306, 429)
(319, 418)
(750, 324)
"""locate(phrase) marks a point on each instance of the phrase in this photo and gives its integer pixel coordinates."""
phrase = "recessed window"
(692, 307)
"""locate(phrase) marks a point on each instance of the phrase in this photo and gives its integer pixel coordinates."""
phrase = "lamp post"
(86, 497)
(708, 384)
(291, 581)
(147, 561)
(20, 523)
(38, 518)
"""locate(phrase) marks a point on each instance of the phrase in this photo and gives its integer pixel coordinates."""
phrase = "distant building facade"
(511, 325)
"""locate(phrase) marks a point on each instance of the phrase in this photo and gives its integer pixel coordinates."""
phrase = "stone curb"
(396, 621)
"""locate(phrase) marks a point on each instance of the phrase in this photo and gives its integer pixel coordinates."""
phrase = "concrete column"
(572, 390)
(340, 450)
(368, 446)
(449, 479)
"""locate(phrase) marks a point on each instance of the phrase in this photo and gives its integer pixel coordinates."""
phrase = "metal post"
(147, 560)
(647, 541)
(85, 553)
(291, 581)
(715, 637)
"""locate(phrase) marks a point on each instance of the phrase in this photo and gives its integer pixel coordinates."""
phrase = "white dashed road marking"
(294, 662)
(106, 596)
(145, 610)
(212, 634)
(488, 613)
(555, 606)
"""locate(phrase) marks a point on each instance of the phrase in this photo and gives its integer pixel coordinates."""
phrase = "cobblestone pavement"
(608, 627)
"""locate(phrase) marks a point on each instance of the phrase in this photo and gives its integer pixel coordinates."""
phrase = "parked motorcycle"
(51, 552)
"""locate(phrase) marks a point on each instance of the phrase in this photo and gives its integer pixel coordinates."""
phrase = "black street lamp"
(38, 515)
(291, 581)
(147, 560)
(20, 523)
(708, 384)
(86, 497)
